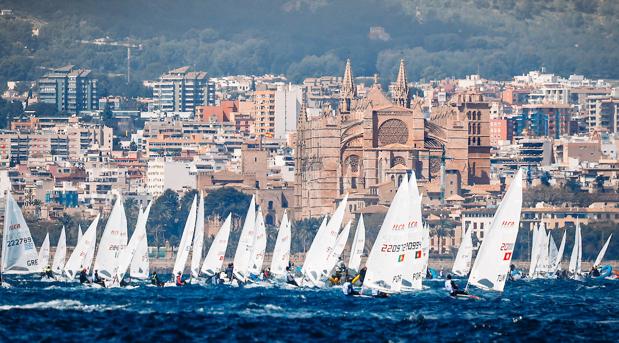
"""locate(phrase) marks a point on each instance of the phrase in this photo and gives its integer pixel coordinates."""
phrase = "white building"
(162, 174)
(288, 101)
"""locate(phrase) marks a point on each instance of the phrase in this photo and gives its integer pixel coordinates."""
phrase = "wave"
(61, 304)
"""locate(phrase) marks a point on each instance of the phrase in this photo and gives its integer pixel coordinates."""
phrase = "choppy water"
(552, 310)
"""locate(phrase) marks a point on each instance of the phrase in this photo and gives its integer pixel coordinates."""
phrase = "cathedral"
(369, 144)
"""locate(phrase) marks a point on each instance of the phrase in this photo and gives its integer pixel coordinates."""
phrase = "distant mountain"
(438, 38)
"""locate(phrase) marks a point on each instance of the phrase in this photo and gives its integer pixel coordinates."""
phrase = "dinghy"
(19, 255)
(198, 240)
(338, 248)
(61, 253)
(491, 266)
(113, 241)
(244, 248)
(129, 253)
(281, 251)
(83, 253)
(213, 262)
(258, 247)
(184, 245)
(44, 253)
(576, 256)
(358, 245)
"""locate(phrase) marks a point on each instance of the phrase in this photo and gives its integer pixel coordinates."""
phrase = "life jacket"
(179, 280)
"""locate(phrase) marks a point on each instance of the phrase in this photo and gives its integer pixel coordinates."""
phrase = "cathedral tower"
(348, 91)
(400, 93)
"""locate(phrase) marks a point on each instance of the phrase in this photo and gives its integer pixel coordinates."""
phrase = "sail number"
(31, 263)
(507, 246)
(400, 247)
(19, 241)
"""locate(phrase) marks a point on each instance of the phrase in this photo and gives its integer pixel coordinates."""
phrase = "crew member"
(179, 280)
(452, 287)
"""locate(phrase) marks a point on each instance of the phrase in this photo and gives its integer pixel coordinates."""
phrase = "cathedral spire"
(348, 91)
(400, 88)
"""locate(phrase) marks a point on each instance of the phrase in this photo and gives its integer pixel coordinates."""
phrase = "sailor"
(230, 271)
(348, 289)
(179, 280)
(452, 287)
(154, 279)
(266, 274)
(290, 278)
(84, 276)
(595, 272)
(48, 272)
(97, 279)
(428, 273)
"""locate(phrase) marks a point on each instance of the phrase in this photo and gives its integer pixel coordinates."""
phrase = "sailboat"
(323, 244)
(61, 253)
(553, 252)
(414, 267)
(491, 266)
(198, 240)
(44, 253)
(213, 262)
(391, 249)
(185, 244)
(83, 253)
(259, 246)
(139, 268)
(281, 251)
(358, 245)
(576, 256)
(462, 263)
(113, 241)
(557, 261)
(244, 248)
(129, 253)
(19, 255)
(79, 232)
(338, 248)
(600, 257)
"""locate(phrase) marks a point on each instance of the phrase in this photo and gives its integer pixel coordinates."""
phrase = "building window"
(353, 182)
(270, 205)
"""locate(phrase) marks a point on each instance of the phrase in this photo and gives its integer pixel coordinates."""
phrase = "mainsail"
(198, 240)
(462, 264)
(129, 253)
(557, 262)
(19, 255)
(358, 244)
(414, 266)
(61, 253)
(259, 246)
(244, 248)
(44, 253)
(338, 248)
(217, 252)
(82, 255)
(492, 263)
(385, 263)
(598, 260)
(113, 241)
(185, 244)
(139, 267)
(281, 251)
(575, 257)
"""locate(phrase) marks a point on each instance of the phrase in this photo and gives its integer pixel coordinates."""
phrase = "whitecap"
(60, 304)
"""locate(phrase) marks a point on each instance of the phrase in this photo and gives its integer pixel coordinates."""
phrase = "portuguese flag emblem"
(418, 254)
(401, 258)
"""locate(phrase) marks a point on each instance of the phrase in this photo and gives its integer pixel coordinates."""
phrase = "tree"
(599, 183)
(226, 200)
(545, 179)
(303, 233)
(163, 217)
(133, 146)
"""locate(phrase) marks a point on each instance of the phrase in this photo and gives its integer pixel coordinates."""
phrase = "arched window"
(270, 204)
(268, 219)
(392, 131)
(468, 115)
(399, 180)
(398, 160)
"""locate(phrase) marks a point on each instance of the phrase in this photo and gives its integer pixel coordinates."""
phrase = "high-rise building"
(264, 112)
(70, 89)
(603, 113)
(181, 90)
(288, 101)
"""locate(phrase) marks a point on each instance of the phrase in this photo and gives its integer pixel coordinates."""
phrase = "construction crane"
(108, 42)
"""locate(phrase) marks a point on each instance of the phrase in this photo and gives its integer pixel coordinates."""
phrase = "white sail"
(542, 263)
(462, 264)
(113, 241)
(61, 253)
(322, 246)
(244, 248)
(535, 246)
(214, 259)
(492, 263)
(19, 255)
(414, 267)
(130, 252)
(44, 253)
(281, 251)
(598, 260)
(79, 232)
(259, 246)
(338, 248)
(557, 262)
(140, 264)
(83, 253)
(198, 240)
(576, 255)
(358, 245)
(553, 252)
(185, 244)
(391, 249)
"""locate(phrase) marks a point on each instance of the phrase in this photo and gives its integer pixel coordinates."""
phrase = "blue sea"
(546, 310)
